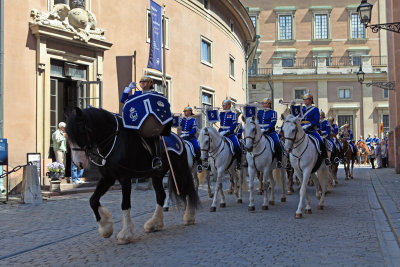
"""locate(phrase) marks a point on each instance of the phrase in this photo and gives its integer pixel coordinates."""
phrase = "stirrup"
(199, 168)
(336, 160)
(156, 164)
(328, 162)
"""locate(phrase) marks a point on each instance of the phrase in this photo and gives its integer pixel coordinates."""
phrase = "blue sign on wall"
(3, 151)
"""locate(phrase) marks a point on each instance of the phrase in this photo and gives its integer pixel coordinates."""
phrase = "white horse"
(303, 156)
(260, 158)
(215, 149)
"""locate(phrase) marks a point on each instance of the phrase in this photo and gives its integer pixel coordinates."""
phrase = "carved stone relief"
(79, 21)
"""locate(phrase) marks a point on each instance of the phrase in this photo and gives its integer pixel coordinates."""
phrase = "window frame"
(231, 64)
(203, 117)
(328, 31)
(298, 89)
(350, 123)
(254, 12)
(388, 120)
(343, 89)
(88, 5)
(350, 22)
(291, 27)
(285, 11)
(208, 41)
(385, 91)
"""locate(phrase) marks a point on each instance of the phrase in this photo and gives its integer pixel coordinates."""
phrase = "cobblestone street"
(351, 230)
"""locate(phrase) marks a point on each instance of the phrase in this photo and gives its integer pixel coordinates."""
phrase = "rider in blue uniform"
(228, 123)
(349, 134)
(189, 130)
(310, 121)
(375, 139)
(368, 141)
(267, 118)
(146, 83)
(327, 131)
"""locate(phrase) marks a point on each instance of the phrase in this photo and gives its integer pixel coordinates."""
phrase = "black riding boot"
(238, 159)
(278, 153)
(197, 159)
(324, 154)
(156, 162)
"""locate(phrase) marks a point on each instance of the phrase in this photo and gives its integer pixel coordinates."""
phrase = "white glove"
(132, 85)
(184, 135)
(127, 90)
(224, 132)
(305, 127)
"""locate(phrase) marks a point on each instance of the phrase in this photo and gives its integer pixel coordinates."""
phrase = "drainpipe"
(1, 68)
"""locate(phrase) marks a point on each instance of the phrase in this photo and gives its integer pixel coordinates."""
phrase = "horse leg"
(127, 232)
(322, 178)
(216, 188)
(272, 185)
(280, 175)
(304, 180)
(166, 202)
(156, 222)
(317, 186)
(352, 168)
(210, 193)
(252, 174)
(103, 216)
(290, 181)
(260, 183)
(238, 188)
(222, 203)
(232, 185)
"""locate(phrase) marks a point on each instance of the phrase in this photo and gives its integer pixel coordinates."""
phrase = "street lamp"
(364, 12)
(383, 85)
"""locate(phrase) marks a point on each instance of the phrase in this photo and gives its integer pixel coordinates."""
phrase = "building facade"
(62, 54)
(393, 15)
(318, 46)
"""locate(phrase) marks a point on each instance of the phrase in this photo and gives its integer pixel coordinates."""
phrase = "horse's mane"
(91, 118)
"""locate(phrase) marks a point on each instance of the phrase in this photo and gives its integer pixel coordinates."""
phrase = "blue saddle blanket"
(174, 143)
(137, 109)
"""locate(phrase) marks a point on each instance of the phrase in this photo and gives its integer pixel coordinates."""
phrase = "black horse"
(121, 154)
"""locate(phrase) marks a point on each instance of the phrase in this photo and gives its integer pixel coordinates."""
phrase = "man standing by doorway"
(60, 143)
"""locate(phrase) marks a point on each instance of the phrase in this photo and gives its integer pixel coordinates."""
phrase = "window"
(385, 121)
(344, 94)
(72, 3)
(356, 60)
(287, 62)
(148, 29)
(343, 119)
(231, 67)
(328, 61)
(206, 50)
(357, 28)
(207, 101)
(285, 27)
(321, 26)
(206, 4)
(254, 86)
(254, 21)
(254, 67)
(385, 93)
(298, 93)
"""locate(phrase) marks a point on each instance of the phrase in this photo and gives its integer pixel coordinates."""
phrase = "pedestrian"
(384, 154)
(371, 156)
(378, 155)
(76, 174)
(59, 138)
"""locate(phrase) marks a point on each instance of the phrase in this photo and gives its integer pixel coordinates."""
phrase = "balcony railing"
(260, 72)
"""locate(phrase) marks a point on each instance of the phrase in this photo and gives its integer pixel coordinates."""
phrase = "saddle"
(231, 146)
(191, 148)
(315, 141)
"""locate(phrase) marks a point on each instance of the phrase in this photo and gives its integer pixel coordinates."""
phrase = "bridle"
(217, 150)
(89, 149)
(253, 137)
(300, 141)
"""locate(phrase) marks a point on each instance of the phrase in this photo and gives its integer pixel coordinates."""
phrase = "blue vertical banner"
(3, 151)
(155, 58)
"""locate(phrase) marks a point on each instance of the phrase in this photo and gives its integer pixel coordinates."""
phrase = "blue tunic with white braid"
(310, 119)
(228, 124)
(189, 129)
(267, 120)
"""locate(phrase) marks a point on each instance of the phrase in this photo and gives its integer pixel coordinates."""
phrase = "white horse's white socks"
(126, 234)
(156, 223)
(106, 225)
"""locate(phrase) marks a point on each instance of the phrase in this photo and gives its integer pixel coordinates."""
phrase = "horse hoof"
(165, 209)
(239, 201)
(283, 199)
(213, 209)
(271, 202)
(264, 207)
(259, 193)
(308, 211)
(252, 208)
(298, 216)
(320, 207)
(222, 205)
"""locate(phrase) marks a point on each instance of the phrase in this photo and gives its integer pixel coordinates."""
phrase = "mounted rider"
(333, 135)
(327, 128)
(347, 133)
(228, 123)
(375, 140)
(360, 139)
(151, 129)
(267, 118)
(368, 141)
(189, 130)
(309, 122)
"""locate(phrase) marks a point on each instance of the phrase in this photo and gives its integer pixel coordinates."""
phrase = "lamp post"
(364, 11)
(383, 85)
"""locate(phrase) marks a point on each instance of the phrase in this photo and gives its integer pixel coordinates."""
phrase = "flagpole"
(164, 73)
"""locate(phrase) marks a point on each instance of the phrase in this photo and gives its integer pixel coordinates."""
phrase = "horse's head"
(205, 143)
(78, 138)
(252, 133)
(292, 132)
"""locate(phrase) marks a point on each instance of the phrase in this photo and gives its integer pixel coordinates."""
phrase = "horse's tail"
(184, 180)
